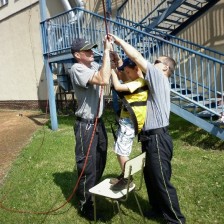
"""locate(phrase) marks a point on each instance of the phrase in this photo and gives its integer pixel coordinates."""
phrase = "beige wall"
(21, 72)
(208, 30)
(54, 7)
(22, 75)
(14, 6)
(96, 6)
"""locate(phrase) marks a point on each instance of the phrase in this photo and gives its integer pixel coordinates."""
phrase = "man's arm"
(102, 77)
(131, 52)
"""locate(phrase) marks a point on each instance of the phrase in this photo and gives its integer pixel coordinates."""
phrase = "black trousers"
(96, 160)
(157, 173)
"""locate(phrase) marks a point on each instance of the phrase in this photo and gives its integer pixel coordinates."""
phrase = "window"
(3, 2)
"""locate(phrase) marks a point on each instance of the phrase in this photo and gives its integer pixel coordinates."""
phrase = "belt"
(88, 121)
(155, 131)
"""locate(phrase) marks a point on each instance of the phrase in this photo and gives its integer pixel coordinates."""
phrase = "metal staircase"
(168, 16)
(197, 87)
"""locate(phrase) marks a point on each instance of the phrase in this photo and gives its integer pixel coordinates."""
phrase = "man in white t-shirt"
(88, 79)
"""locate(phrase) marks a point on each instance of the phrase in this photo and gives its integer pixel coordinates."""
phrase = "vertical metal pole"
(49, 75)
(51, 96)
(43, 14)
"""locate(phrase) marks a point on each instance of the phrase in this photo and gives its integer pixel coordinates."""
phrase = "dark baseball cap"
(127, 62)
(81, 44)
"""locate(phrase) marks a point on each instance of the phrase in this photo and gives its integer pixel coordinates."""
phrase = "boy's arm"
(117, 85)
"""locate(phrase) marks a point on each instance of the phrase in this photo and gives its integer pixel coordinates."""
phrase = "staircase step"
(195, 97)
(203, 1)
(191, 6)
(164, 28)
(206, 113)
(182, 14)
(172, 22)
(173, 85)
(182, 90)
(187, 4)
(219, 123)
(210, 103)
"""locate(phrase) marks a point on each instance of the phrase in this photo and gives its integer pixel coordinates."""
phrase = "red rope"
(84, 166)
(105, 18)
(75, 188)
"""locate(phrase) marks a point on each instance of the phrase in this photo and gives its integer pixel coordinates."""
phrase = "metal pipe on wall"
(67, 7)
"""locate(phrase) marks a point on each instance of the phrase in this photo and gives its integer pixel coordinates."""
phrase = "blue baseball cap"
(126, 62)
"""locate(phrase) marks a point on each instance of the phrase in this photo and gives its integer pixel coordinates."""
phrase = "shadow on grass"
(179, 129)
(67, 182)
(183, 130)
(193, 135)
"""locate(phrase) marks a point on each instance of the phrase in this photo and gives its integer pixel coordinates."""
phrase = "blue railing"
(198, 77)
(147, 12)
(174, 39)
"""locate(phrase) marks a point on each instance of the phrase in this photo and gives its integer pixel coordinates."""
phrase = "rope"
(86, 159)
(105, 19)
(75, 188)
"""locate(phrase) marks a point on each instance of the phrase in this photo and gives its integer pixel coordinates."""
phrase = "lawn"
(40, 185)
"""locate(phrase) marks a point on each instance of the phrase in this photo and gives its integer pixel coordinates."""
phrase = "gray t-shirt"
(87, 95)
(158, 103)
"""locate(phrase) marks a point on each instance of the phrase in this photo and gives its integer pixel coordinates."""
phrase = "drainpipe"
(67, 7)
(49, 75)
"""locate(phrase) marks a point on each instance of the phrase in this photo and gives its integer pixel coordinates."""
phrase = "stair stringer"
(209, 127)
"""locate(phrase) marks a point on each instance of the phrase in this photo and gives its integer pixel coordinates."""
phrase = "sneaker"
(122, 184)
(115, 180)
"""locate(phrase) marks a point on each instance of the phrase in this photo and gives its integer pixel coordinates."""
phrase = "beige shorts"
(125, 137)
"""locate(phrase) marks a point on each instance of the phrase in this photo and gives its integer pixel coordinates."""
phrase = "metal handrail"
(58, 32)
(135, 30)
(169, 37)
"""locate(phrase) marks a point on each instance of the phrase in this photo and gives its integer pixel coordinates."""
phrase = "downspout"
(49, 75)
(73, 16)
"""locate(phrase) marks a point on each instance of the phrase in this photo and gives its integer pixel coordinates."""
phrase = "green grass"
(44, 176)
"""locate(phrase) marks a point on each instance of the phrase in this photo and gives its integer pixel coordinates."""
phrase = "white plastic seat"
(132, 166)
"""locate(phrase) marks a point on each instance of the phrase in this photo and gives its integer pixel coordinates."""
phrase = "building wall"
(96, 6)
(208, 30)
(22, 74)
(14, 7)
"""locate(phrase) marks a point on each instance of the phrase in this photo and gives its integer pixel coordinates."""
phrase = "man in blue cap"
(88, 79)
